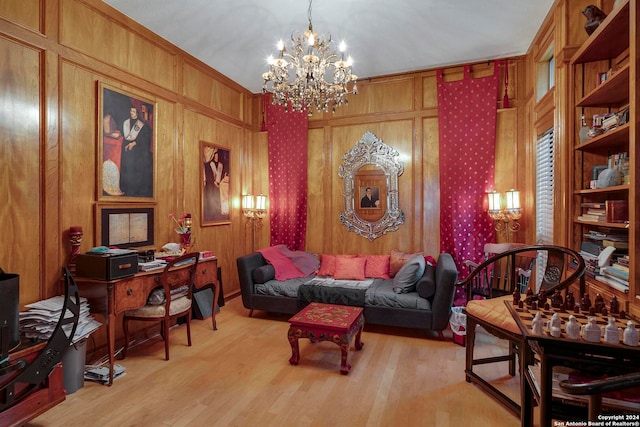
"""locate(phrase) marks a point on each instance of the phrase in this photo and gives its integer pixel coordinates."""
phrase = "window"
(544, 195)
(545, 79)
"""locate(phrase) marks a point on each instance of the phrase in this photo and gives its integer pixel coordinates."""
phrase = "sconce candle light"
(505, 219)
(254, 209)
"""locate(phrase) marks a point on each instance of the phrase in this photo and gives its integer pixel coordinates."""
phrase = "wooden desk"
(113, 297)
(563, 351)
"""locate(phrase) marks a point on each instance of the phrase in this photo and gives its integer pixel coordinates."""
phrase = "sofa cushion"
(377, 266)
(350, 268)
(426, 286)
(397, 260)
(406, 278)
(327, 265)
(263, 274)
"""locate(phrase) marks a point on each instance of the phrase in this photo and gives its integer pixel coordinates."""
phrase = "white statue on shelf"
(630, 334)
(572, 328)
(554, 327)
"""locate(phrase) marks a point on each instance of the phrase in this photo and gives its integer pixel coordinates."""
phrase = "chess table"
(563, 351)
(327, 322)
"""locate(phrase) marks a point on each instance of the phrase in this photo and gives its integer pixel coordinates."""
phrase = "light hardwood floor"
(239, 375)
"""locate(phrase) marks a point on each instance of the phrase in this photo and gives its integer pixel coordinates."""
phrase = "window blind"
(544, 197)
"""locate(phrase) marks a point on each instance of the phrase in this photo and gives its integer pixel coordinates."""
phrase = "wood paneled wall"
(56, 52)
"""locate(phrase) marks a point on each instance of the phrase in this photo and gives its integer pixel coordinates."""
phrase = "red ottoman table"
(327, 322)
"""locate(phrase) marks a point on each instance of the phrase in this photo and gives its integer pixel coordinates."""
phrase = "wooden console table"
(112, 297)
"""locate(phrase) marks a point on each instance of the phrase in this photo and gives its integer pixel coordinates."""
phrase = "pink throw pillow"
(377, 266)
(327, 265)
(350, 268)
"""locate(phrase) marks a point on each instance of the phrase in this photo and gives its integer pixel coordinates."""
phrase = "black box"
(107, 266)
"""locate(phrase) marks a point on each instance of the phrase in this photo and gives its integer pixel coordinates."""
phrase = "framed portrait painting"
(215, 193)
(125, 225)
(126, 146)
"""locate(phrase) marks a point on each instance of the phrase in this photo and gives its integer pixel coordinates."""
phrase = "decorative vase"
(186, 241)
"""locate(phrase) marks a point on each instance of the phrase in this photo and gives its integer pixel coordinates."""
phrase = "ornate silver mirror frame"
(367, 156)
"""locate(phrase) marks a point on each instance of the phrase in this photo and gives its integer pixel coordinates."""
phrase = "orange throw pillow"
(349, 268)
(377, 266)
(398, 259)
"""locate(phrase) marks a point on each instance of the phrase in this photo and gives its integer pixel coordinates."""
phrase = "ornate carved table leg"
(295, 349)
(344, 349)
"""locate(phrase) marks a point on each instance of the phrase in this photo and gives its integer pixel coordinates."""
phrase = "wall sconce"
(505, 219)
(254, 209)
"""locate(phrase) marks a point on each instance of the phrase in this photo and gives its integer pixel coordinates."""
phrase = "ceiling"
(235, 37)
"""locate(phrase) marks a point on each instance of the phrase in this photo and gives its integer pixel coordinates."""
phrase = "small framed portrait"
(215, 188)
(370, 197)
(124, 226)
(126, 146)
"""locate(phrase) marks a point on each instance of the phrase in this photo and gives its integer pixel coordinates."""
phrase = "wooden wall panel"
(89, 31)
(214, 94)
(386, 96)
(20, 162)
(430, 91)
(431, 187)
(24, 12)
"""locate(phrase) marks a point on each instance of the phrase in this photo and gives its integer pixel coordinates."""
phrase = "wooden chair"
(175, 300)
(493, 315)
(495, 279)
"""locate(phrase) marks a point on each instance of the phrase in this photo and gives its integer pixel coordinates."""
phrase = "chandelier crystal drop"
(309, 73)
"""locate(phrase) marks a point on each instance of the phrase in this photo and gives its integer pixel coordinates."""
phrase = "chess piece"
(554, 327)
(614, 305)
(630, 336)
(542, 298)
(611, 333)
(604, 311)
(585, 304)
(570, 301)
(594, 17)
(591, 331)
(516, 296)
(572, 328)
(536, 324)
(529, 296)
(556, 299)
(598, 303)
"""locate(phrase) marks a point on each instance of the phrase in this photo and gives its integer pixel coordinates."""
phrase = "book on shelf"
(621, 267)
(592, 218)
(593, 205)
(616, 273)
(618, 244)
(592, 248)
(613, 283)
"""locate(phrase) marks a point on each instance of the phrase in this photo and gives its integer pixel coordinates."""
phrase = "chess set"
(564, 318)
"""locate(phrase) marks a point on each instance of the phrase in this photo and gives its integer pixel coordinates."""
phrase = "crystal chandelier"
(309, 61)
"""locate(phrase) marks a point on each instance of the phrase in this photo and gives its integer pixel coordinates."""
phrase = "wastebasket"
(458, 323)
(73, 362)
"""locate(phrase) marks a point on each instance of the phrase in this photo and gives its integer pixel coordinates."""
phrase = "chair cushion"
(178, 305)
(493, 311)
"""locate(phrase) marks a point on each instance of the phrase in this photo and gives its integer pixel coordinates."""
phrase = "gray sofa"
(382, 305)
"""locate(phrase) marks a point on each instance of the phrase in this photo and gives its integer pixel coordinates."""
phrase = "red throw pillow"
(327, 265)
(377, 266)
(398, 259)
(349, 268)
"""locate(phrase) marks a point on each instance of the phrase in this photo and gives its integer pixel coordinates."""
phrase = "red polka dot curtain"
(287, 139)
(467, 134)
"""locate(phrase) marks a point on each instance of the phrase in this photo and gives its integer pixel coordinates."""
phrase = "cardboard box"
(107, 266)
